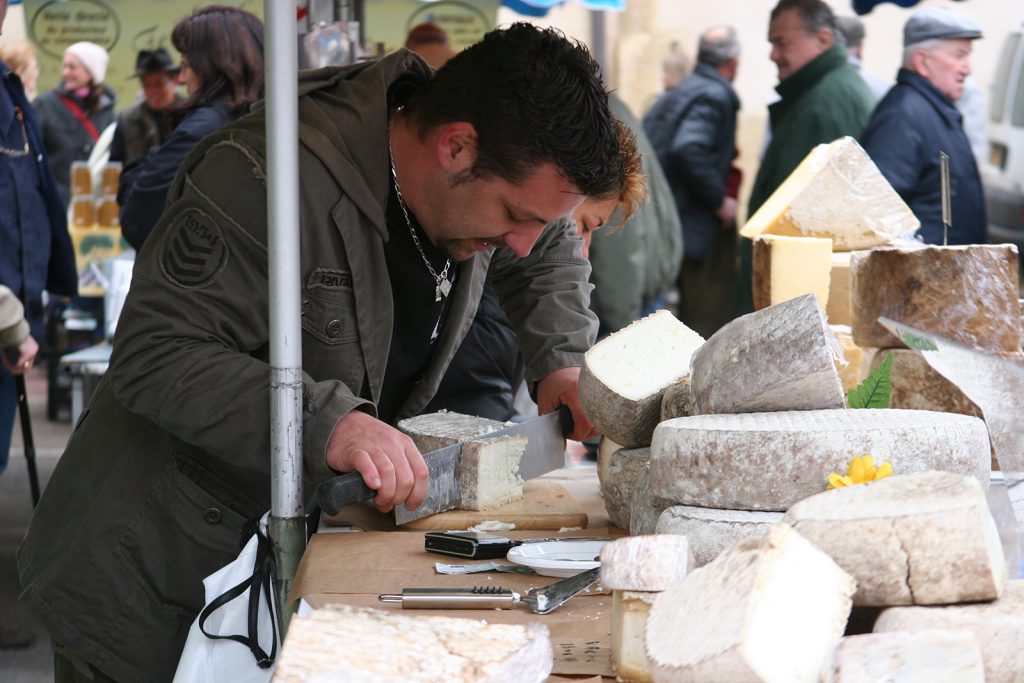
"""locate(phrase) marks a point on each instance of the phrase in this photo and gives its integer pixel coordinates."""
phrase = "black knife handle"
(345, 490)
(565, 415)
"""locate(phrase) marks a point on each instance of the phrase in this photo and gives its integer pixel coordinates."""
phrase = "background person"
(222, 68)
(148, 123)
(853, 32)
(72, 115)
(430, 42)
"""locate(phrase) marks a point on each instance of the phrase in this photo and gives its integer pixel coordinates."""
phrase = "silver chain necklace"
(443, 285)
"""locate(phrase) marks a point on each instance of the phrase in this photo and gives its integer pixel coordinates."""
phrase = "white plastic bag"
(223, 659)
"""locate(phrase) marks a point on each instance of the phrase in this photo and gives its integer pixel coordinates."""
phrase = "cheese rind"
(488, 472)
(915, 539)
(839, 193)
(629, 621)
(936, 656)
(858, 360)
(626, 467)
(840, 303)
(645, 563)
(769, 461)
(436, 430)
(778, 358)
(767, 609)
(967, 294)
(625, 375)
(998, 626)
(788, 267)
(340, 643)
(710, 531)
(645, 508)
(605, 449)
(678, 401)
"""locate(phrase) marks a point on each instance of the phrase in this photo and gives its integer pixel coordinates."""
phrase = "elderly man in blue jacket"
(918, 120)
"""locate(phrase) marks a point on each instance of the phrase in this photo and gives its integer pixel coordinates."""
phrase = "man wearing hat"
(148, 123)
(918, 119)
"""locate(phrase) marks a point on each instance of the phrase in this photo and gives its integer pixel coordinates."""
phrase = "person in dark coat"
(693, 130)
(148, 123)
(222, 68)
(918, 120)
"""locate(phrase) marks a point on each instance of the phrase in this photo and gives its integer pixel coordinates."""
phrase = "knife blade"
(545, 451)
(551, 597)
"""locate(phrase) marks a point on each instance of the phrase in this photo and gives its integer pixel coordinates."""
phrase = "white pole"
(286, 529)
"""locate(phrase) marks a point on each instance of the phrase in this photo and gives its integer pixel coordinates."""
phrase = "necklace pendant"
(443, 288)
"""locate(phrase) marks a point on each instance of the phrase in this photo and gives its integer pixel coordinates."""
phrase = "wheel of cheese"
(998, 626)
(625, 375)
(626, 467)
(915, 539)
(711, 531)
(768, 609)
(769, 461)
(907, 657)
(778, 358)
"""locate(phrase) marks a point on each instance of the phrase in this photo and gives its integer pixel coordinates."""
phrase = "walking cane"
(26, 437)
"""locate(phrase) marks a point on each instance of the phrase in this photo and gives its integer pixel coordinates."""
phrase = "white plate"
(558, 558)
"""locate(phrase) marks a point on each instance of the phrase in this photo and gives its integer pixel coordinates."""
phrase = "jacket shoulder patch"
(195, 253)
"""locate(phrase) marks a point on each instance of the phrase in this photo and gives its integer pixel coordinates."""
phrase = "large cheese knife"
(545, 451)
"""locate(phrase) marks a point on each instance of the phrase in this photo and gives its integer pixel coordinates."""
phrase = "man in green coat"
(413, 186)
(822, 98)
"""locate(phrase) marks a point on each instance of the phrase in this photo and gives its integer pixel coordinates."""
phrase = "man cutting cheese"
(413, 186)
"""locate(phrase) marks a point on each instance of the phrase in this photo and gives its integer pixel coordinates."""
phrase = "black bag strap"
(260, 582)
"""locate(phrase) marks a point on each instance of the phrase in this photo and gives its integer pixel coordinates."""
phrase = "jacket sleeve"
(694, 154)
(546, 297)
(190, 352)
(13, 327)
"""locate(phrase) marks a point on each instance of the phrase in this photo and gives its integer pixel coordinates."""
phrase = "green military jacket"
(171, 457)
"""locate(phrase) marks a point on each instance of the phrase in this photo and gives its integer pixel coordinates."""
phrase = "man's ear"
(456, 146)
(825, 38)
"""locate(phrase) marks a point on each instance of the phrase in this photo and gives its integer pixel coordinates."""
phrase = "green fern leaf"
(876, 390)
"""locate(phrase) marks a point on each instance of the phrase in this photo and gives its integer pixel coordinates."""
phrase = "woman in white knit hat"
(72, 115)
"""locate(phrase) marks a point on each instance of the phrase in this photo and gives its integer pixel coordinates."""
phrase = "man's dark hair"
(814, 14)
(533, 96)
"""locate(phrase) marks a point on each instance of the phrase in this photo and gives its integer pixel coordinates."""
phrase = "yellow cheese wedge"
(788, 267)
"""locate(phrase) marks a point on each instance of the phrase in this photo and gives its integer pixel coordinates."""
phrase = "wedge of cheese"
(858, 360)
(836, 192)
(710, 531)
(645, 563)
(964, 293)
(935, 656)
(626, 467)
(625, 375)
(840, 304)
(769, 461)
(778, 358)
(338, 643)
(629, 643)
(768, 609)
(786, 267)
(998, 627)
(916, 539)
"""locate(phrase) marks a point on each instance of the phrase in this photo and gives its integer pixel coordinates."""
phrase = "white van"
(1003, 173)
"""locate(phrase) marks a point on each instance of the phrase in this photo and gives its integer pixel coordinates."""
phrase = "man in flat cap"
(148, 123)
(918, 119)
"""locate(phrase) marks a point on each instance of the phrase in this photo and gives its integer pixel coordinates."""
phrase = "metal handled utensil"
(538, 600)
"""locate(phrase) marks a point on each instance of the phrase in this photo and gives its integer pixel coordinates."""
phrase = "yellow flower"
(861, 470)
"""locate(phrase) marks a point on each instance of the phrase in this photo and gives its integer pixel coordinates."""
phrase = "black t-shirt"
(418, 318)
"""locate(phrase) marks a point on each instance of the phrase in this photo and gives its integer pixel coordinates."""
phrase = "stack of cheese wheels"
(636, 569)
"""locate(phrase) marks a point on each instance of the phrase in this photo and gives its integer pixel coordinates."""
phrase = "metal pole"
(287, 529)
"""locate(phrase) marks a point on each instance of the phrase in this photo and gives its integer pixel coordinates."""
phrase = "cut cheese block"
(768, 461)
(436, 430)
(998, 627)
(629, 621)
(625, 375)
(858, 360)
(768, 609)
(964, 293)
(840, 305)
(645, 508)
(626, 467)
(488, 472)
(916, 386)
(914, 539)
(839, 193)
(778, 358)
(339, 643)
(907, 657)
(604, 456)
(645, 563)
(787, 267)
(710, 531)
(677, 401)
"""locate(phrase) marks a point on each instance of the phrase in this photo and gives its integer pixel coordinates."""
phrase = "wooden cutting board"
(544, 505)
